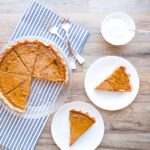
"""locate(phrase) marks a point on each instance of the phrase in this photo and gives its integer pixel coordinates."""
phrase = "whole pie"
(118, 81)
(79, 123)
(23, 61)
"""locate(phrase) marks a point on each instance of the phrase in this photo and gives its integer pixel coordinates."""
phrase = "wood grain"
(127, 129)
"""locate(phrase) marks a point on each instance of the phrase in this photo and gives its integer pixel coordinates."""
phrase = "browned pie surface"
(79, 124)
(54, 72)
(45, 57)
(16, 66)
(11, 63)
(6, 58)
(9, 81)
(21, 62)
(27, 52)
(117, 81)
(18, 97)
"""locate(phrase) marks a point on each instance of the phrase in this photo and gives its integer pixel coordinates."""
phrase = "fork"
(65, 23)
(54, 30)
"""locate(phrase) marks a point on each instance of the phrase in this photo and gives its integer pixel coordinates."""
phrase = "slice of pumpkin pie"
(46, 56)
(17, 98)
(118, 81)
(79, 123)
(11, 63)
(9, 81)
(56, 71)
(27, 52)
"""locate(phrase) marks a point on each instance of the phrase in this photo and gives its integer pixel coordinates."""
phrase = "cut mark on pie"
(13, 65)
(27, 52)
(53, 72)
(9, 81)
(18, 97)
(46, 55)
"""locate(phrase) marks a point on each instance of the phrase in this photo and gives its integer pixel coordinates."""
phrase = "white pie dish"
(46, 106)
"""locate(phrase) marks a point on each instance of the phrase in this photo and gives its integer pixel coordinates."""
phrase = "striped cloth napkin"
(19, 133)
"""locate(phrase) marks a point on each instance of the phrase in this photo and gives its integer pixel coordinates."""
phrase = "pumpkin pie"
(118, 81)
(21, 62)
(79, 123)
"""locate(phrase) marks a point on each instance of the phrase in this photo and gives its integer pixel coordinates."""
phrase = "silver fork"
(65, 23)
(54, 30)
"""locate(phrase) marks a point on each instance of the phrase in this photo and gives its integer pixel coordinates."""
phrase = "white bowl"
(118, 28)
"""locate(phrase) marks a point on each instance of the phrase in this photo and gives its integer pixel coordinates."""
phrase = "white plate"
(60, 128)
(100, 70)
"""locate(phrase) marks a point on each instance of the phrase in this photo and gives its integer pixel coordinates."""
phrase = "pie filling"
(25, 60)
(79, 123)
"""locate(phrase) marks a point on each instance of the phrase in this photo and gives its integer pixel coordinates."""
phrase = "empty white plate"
(60, 128)
(100, 70)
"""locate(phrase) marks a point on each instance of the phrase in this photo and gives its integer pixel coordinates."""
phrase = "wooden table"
(124, 129)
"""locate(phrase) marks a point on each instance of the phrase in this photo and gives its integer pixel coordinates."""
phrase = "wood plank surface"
(126, 129)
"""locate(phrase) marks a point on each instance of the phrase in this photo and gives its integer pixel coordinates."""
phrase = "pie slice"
(13, 65)
(118, 81)
(9, 81)
(79, 124)
(27, 52)
(45, 57)
(17, 98)
(54, 72)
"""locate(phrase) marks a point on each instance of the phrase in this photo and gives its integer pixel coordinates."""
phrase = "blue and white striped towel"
(18, 133)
